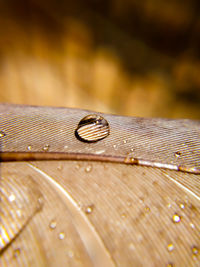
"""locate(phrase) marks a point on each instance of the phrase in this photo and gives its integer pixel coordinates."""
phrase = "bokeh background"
(129, 57)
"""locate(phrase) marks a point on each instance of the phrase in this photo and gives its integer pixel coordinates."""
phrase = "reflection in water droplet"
(176, 218)
(29, 148)
(2, 134)
(89, 209)
(52, 224)
(12, 197)
(92, 128)
(177, 154)
(46, 147)
(88, 168)
(16, 252)
(61, 235)
(170, 247)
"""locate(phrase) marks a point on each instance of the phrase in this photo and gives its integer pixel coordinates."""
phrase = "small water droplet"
(177, 154)
(61, 235)
(181, 205)
(92, 128)
(170, 247)
(147, 209)
(2, 134)
(132, 149)
(195, 250)
(66, 147)
(124, 141)
(88, 168)
(16, 252)
(59, 167)
(192, 225)
(29, 148)
(123, 215)
(99, 152)
(176, 218)
(89, 209)
(131, 246)
(53, 224)
(114, 146)
(19, 212)
(70, 253)
(169, 205)
(46, 147)
(12, 197)
(170, 264)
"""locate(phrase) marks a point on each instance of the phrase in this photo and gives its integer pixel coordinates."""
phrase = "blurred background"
(129, 57)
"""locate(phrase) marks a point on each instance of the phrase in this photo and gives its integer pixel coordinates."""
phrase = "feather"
(132, 198)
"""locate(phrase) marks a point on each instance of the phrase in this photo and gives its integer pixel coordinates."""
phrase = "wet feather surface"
(87, 210)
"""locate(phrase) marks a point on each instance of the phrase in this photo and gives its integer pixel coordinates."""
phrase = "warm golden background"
(130, 57)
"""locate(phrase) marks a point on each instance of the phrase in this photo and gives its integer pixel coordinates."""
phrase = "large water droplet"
(92, 128)
(176, 218)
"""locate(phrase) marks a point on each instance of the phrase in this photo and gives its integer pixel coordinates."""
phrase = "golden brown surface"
(125, 57)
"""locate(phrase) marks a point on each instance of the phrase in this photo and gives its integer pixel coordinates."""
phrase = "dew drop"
(114, 146)
(52, 224)
(192, 225)
(12, 197)
(89, 209)
(170, 247)
(70, 253)
(195, 251)
(16, 252)
(147, 209)
(46, 147)
(2, 134)
(181, 205)
(61, 235)
(123, 215)
(92, 128)
(88, 168)
(124, 141)
(29, 148)
(177, 154)
(176, 218)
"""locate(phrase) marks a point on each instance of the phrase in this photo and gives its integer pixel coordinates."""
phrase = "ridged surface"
(173, 144)
(106, 214)
(87, 212)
